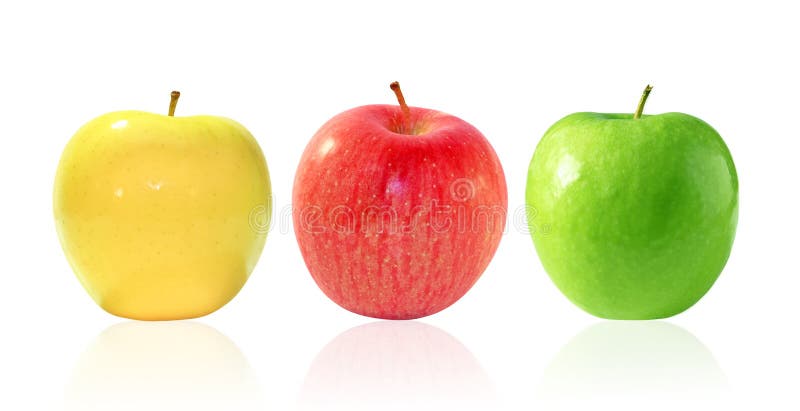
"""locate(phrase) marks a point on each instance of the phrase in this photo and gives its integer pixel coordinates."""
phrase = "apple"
(632, 216)
(162, 217)
(398, 210)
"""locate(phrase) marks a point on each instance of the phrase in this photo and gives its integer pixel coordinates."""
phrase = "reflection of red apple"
(401, 365)
(398, 210)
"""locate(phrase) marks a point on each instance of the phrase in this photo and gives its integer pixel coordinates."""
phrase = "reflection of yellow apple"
(155, 366)
(162, 217)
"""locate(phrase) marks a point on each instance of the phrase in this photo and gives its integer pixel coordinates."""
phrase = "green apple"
(632, 216)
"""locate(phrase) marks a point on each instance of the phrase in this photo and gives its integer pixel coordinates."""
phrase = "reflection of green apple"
(632, 216)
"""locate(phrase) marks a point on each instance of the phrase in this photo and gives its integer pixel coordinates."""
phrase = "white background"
(509, 68)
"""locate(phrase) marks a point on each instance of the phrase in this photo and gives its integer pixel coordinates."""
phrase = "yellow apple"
(162, 217)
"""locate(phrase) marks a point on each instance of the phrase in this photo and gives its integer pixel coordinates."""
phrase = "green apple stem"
(395, 86)
(640, 108)
(173, 102)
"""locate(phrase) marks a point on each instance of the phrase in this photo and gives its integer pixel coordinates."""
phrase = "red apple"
(398, 210)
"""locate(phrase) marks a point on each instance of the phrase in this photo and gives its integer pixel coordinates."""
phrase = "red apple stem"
(640, 107)
(395, 86)
(173, 102)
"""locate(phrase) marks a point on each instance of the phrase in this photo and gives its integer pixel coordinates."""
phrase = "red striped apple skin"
(397, 215)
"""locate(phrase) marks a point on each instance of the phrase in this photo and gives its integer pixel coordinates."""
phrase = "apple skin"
(632, 218)
(156, 213)
(398, 220)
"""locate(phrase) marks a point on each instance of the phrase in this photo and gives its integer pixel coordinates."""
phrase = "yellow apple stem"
(173, 102)
(640, 108)
(395, 86)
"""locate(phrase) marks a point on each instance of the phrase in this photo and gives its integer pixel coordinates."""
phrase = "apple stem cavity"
(395, 86)
(640, 108)
(173, 102)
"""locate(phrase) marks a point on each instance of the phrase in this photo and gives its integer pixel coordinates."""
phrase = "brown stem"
(640, 107)
(173, 102)
(395, 86)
